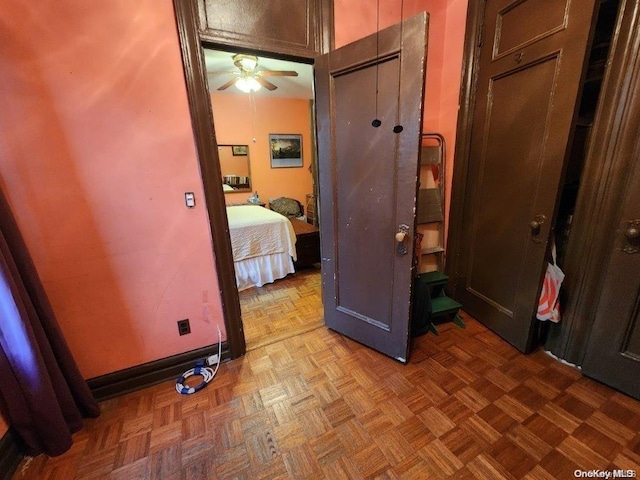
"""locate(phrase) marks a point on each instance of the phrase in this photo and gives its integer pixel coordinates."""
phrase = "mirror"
(234, 165)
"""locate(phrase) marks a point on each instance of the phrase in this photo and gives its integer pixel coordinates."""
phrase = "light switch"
(190, 199)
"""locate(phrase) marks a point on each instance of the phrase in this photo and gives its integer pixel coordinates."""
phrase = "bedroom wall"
(355, 19)
(238, 122)
(96, 152)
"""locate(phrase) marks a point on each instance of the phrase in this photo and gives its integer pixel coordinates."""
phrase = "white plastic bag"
(549, 304)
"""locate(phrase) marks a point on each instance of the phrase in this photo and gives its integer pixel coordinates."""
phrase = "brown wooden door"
(613, 350)
(529, 73)
(368, 182)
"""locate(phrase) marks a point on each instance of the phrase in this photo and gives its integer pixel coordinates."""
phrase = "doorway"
(259, 102)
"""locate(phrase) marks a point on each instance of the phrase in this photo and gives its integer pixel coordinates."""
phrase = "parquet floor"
(319, 405)
(283, 309)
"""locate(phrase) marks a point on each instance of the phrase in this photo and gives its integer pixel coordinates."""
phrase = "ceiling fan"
(248, 78)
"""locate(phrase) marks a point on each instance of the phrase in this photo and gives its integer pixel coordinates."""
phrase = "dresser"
(307, 243)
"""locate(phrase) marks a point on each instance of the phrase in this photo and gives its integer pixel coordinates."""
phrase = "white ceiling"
(289, 87)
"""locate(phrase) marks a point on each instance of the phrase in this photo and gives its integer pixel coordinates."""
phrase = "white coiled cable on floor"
(200, 369)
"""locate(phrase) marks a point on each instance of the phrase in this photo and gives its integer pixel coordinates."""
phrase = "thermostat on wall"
(190, 199)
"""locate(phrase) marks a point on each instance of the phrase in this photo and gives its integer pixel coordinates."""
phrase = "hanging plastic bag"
(549, 303)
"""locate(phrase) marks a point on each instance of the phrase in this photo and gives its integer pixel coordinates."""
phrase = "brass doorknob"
(632, 232)
(400, 236)
(534, 225)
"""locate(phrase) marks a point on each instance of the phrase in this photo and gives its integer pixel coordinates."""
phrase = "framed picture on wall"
(286, 150)
(239, 150)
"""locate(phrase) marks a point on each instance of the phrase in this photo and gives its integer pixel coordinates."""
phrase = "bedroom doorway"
(282, 309)
(256, 101)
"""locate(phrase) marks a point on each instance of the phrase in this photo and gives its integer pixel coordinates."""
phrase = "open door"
(368, 182)
(613, 351)
(529, 75)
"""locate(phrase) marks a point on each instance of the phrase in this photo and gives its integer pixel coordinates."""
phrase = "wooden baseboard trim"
(142, 376)
(10, 455)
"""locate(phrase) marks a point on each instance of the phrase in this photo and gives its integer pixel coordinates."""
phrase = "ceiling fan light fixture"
(248, 63)
(248, 84)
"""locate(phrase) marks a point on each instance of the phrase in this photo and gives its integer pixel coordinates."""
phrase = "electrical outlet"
(184, 327)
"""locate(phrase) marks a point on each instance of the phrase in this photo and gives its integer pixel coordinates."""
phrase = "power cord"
(200, 369)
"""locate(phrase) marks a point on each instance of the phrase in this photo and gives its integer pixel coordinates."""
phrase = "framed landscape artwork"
(286, 150)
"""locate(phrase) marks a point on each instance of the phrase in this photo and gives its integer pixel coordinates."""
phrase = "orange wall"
(96, 152)
(356, 19)
(238, 122)
(3, 426)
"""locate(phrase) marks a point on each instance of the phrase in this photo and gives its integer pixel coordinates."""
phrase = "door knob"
(403, 231)
(536, 225)
(632, 233)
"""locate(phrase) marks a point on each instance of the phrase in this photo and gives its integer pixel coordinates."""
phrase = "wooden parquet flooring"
(283, 309)
(319, 405)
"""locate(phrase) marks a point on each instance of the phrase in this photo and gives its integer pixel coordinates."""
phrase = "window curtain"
(42, 392)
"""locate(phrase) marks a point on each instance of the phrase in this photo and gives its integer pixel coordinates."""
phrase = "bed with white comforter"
(263, 244)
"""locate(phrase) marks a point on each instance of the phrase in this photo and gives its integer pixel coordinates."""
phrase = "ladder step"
(433, 278)
(431, 155)
(444, 305)
(429, 205)
(431, 250)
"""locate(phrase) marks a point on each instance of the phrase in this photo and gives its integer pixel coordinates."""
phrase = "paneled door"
(368, 180)
(529, 76)
(613, 349)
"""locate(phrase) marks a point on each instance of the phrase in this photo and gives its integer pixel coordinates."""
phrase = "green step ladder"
(441, 305)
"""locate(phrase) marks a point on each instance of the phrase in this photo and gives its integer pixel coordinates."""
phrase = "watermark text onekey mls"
(604, 474)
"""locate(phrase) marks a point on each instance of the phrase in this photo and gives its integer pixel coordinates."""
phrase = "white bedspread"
(257, 231)
(263, 244)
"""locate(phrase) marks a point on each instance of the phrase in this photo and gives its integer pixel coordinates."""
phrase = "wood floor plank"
(318, 405)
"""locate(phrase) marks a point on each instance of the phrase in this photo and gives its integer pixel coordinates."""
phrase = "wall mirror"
(235, 168)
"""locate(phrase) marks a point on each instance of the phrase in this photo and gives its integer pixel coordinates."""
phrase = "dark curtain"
(42, 391)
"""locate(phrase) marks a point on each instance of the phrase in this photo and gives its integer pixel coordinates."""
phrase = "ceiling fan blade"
(266, 83)
(222, 73)
(229, 83)
(278, 73)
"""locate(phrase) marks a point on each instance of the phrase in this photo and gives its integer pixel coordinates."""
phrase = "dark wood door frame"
(206, 148)
(202, 121)
(468, 86)
(604, 168)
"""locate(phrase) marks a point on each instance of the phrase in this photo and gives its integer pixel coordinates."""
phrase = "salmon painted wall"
(96, 152)
(355, 19)
(238, 122)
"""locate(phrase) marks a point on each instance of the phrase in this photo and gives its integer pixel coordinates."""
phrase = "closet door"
(529, 73)
(613, 350)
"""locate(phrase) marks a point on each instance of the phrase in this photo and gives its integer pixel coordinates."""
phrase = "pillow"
(227, 188)
(289, 207)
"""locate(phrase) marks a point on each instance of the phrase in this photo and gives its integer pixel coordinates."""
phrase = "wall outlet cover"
(184, 327)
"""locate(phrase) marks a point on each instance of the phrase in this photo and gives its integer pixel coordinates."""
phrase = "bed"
(263, 244)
